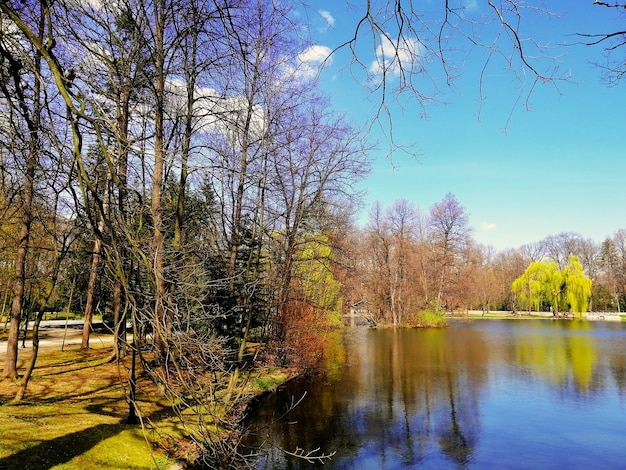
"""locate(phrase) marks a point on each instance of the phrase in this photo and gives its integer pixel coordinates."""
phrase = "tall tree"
(114, 67)
(450, 232)
(395, 278)
(378, 247)
(403, 218)
(318, 158)
(23, 107)
(610, 263)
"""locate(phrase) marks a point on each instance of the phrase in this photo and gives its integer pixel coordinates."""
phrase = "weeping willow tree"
(566, 289)
(538, 284)
(578, 287)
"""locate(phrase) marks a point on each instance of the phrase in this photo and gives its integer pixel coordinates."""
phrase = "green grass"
(73, 418)
(72, 439)
(73, 415)
(268, 381)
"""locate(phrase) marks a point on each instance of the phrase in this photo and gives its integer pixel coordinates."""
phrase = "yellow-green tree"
(562, 289)
(538, 283)
(577, 286)
(316, 280)
(553, 286)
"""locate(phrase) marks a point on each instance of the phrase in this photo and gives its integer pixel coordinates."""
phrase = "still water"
(509, 394)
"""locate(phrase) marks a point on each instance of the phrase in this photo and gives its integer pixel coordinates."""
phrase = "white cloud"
(313, 58)
(315, 55)
(228, 114)
(488, 226)
(328, 18)
(393, 57)
(214, 112)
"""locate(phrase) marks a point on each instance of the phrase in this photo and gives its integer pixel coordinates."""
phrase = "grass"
(73, 417)
(268, 381)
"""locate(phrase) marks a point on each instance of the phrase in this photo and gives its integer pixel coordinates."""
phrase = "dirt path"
(57, 334)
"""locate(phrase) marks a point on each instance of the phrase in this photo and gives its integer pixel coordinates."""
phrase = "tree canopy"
(562, 290)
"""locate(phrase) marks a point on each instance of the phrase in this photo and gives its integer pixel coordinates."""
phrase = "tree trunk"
(31, 366)
(4, 304)
(163, 319)
(91, 290)
(119, 298)
(27, 195)
(119, 317)
(10, 365)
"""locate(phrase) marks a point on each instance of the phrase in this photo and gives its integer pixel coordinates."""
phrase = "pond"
(505, 394)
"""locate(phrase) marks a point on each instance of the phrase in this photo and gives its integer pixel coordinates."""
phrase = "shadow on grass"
(60, 450)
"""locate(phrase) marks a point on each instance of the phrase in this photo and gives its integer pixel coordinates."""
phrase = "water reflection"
(467, 396)
(559, 359)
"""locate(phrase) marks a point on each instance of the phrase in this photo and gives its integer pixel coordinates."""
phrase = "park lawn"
(73, 416)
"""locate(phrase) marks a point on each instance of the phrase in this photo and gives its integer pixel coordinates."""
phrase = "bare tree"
(612, 42)
(61, 234)
(318, 159)
(22, 106)
(559, 247)
(450, 233)
(378, 268)
(114, 68)
(613, 259)
(42, 168)
(397, 282)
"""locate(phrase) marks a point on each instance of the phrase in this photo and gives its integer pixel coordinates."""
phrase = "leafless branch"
(595, 39)
(311, 456)
(609, 5)
(419, 52)
(613, 68)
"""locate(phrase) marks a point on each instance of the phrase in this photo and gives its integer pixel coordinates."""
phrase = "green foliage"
(430, 318)
(566, 289)
(578, 286)
(316, 280)
(531, 286)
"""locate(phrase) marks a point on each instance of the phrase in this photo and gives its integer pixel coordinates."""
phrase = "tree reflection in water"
(466, 396)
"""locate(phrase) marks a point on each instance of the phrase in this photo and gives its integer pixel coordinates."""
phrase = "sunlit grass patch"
(268, 380)
(73, 416)
(126, 448)
(73, 413)
(78, 440)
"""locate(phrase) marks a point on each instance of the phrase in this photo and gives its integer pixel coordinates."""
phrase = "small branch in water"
(311, 456)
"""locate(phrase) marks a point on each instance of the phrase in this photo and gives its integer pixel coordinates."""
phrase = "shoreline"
(523, 315)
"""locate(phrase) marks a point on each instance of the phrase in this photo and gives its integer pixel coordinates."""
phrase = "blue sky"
(521, 174)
